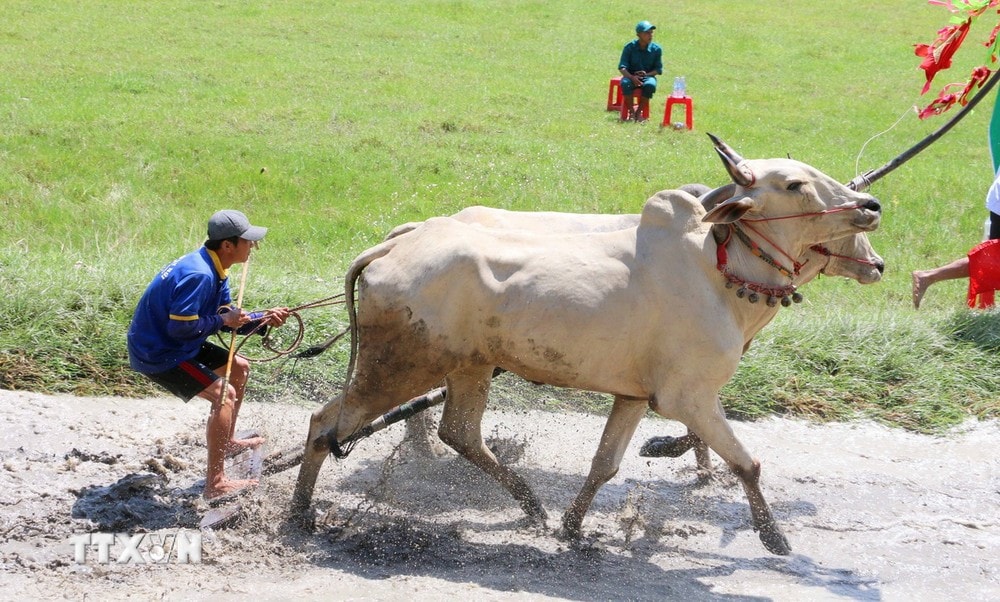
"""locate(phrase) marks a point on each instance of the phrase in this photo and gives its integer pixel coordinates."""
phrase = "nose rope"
(812, 214)
(822, 250)
(756, 250)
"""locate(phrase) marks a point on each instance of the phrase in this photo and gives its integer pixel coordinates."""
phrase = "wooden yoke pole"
(232, 340)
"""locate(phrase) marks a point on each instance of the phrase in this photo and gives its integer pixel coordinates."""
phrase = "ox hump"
(675, 211)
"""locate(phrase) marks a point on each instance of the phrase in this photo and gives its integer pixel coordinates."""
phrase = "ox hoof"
(300, 510)
(535, 512)
(775, 541)
(570, 535)
(571, 529)
(704, 477)
(664, 447)
(302, 520)
(529, 503)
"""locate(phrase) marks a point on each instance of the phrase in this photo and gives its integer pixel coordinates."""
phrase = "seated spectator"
(640, 63)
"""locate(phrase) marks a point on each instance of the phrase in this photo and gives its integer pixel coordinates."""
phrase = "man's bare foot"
(235, 446)
(227, 487)
(919, 287)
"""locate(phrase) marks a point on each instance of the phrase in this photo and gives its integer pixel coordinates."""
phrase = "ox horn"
(732, 160)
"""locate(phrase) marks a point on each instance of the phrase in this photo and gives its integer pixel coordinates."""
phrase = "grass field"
(126, 124)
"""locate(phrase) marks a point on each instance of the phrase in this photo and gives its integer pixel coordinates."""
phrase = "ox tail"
(320, 348)
(350, 282)
(350, 285)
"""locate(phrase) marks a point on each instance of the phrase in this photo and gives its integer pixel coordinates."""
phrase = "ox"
(851, 257)
(654, 315)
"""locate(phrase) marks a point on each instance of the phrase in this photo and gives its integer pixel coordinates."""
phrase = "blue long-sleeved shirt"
(178, 311)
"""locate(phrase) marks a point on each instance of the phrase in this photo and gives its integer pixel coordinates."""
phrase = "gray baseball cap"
(229, 222)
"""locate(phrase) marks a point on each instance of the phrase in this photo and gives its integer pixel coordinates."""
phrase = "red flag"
(937, 56)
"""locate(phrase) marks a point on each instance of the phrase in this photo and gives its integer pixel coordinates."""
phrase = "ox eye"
(793, 186)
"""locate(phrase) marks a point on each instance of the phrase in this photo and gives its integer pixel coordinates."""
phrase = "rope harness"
(822, 250)
(752, 291)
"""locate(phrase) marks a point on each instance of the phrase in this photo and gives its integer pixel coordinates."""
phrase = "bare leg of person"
(217, 435)
(239, 374)
(924, 278)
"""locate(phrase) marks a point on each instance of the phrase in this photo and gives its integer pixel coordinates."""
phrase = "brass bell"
(741, 292)
(754, 297)
(785, 301)
(797, 297)
(772, 300)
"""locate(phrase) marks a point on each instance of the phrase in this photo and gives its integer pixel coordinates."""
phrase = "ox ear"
(710, 199)
(729, 211)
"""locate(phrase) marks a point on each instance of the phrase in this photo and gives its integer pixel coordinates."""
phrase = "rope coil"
(268, 343)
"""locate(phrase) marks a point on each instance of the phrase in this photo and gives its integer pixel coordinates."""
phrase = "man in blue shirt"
(641, 62)
(188, 301)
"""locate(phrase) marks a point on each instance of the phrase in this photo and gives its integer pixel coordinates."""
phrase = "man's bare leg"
(924, 278)
(219, 434)
(238, 377)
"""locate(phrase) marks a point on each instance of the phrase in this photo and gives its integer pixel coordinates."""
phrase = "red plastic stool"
(984, 273)
(689, 109)
(629, 102)
(615, 94)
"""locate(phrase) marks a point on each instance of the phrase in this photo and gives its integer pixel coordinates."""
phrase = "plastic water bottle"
(680, 88)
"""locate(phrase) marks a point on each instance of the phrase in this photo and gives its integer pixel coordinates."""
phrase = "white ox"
(641, 313)
(851, 257)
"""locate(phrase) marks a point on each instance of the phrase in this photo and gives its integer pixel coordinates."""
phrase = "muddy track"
(872, 513)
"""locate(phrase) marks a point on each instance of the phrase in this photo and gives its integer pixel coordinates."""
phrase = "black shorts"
(994, 226)
(193, 376)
